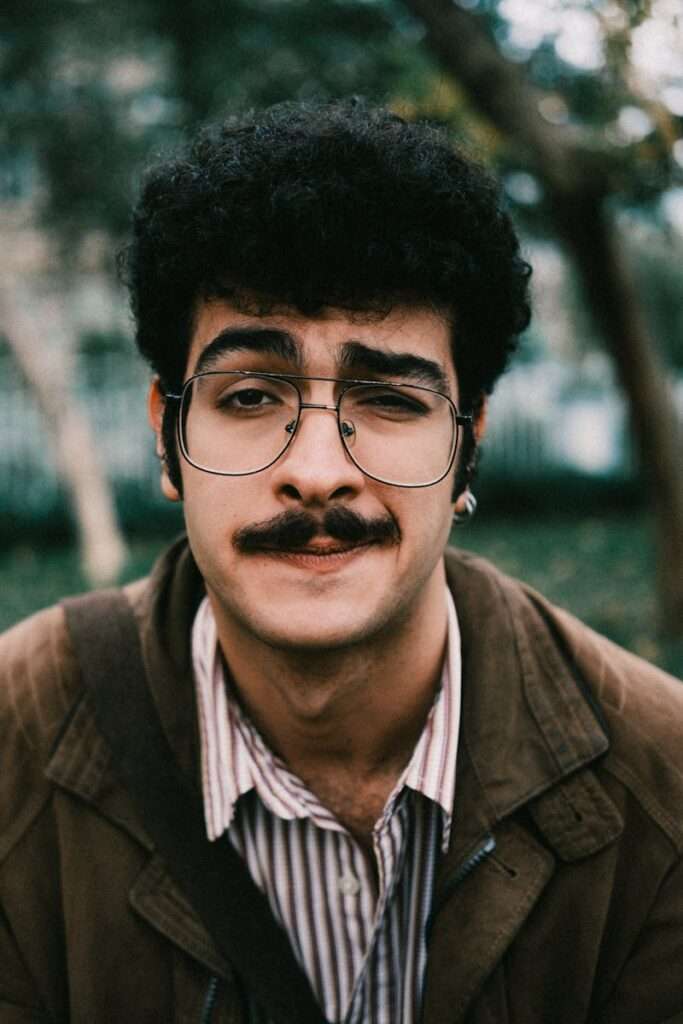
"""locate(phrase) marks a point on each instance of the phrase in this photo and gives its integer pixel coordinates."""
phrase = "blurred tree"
(49, 375)
(61, 144)
(89, 89)
(581, 170)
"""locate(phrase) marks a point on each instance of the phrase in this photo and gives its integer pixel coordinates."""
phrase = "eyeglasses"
(239, 422)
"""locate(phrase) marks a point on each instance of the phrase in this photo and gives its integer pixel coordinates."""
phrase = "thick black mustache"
(293, 530)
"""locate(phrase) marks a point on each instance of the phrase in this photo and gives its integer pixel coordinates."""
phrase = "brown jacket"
(571, 758)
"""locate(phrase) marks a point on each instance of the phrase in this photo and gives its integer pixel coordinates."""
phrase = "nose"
(316, 468)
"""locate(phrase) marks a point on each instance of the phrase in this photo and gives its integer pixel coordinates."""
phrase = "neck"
(358, 710)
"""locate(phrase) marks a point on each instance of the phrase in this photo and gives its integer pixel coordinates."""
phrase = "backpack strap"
(212, 875)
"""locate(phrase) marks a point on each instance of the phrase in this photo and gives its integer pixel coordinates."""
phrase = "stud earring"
(470, 507)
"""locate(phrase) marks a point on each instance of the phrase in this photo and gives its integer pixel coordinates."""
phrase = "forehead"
(329, 339)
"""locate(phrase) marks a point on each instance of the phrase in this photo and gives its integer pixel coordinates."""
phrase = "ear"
(479, 429)
(156, 403)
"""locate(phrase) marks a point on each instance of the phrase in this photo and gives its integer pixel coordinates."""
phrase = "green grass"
(599, 568)
(35, 577)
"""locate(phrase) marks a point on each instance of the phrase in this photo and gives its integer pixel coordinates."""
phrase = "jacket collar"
(526, 720)
(528, 737)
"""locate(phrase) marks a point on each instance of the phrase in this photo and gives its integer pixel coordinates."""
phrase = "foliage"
(89, 88)
(594, 63)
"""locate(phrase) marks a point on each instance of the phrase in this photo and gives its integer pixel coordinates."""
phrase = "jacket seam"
(568, 658)
(552, 649)
(67, 719)
(615, 767)
(30, 823)
(521, 658)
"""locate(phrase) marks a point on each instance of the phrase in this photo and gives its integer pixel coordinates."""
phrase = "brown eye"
(250, 397)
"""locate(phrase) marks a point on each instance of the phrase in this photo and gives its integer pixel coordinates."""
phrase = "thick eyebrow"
(266, 340)
(361, 359)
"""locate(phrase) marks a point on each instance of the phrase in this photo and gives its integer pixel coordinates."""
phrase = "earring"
(460, 518)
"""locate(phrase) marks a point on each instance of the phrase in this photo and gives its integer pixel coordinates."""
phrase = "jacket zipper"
(484, 850)
(209, 1001)
(479, 854)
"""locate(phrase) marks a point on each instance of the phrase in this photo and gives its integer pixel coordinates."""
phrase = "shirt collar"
(431, 769)
(235, 759)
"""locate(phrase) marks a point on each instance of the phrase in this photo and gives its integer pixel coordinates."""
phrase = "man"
(351, 778)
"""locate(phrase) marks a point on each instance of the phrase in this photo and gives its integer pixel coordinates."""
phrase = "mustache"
(293, 530)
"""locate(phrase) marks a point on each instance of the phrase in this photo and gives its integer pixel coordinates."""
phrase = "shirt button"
(348, 885)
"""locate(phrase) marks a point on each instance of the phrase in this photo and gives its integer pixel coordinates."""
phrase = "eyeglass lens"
(234, 424)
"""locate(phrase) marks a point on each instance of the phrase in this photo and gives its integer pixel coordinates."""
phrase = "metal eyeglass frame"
(459, 419)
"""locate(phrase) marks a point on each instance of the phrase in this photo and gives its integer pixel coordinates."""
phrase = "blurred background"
(578, 106)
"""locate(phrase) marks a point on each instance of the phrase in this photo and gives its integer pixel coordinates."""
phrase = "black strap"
(213, 876)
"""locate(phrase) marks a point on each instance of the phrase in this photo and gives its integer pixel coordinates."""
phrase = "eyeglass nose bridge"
(316, 405)
(346, 434)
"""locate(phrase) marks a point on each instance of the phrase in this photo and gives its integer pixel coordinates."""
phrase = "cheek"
(426, 517)
(441, 523)
(214, 507)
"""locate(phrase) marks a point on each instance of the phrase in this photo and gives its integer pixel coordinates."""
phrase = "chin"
(311, 630)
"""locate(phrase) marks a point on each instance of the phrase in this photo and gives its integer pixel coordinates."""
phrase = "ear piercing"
(470, 507)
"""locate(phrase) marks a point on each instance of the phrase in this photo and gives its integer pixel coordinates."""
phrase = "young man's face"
(281, 585)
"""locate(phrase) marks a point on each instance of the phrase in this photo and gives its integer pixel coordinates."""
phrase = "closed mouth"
(332, 548)
(319, 550)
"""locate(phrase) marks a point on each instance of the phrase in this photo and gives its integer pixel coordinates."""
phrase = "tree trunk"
(612, 297)
(577, 183)
(46, 369)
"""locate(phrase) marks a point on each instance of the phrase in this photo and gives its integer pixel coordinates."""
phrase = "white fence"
(544, 419)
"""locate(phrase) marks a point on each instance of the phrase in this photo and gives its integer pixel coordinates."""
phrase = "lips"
(320, 549)
(326, 558)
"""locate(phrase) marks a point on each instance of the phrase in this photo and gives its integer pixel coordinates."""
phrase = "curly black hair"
(339, 205)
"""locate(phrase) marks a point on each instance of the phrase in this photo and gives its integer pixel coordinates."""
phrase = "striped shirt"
(358, 934)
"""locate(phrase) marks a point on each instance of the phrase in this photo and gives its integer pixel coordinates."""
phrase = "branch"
(500, 90)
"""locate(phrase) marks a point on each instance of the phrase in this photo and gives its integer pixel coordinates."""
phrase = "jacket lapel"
(82, 762)
(528, 736)
(81, 765)
(483, 914)
(157, 899)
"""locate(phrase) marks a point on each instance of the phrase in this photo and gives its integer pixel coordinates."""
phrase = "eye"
(388, 402)
(248, 398)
